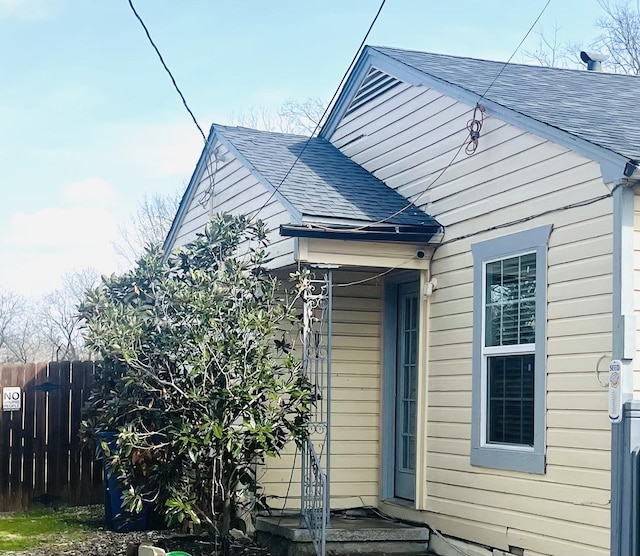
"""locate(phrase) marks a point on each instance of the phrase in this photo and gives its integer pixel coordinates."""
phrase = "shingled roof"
(321, 181)
(601, 108)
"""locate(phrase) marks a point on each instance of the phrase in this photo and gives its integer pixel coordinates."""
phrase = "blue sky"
(89, 121)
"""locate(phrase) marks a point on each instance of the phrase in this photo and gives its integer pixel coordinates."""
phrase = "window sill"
(509, 460)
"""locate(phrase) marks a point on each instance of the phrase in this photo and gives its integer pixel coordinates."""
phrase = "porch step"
(368, 536)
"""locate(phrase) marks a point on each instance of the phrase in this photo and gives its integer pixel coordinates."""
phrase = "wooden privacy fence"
(42, 460)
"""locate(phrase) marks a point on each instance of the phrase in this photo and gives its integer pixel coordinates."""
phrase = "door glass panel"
(408, 351)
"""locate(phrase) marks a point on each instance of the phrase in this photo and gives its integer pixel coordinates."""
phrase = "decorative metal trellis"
(316, 451)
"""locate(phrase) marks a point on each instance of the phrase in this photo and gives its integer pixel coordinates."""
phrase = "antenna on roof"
(593, 60)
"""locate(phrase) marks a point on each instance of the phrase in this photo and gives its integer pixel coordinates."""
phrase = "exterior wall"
(408, 136)
(636, 290)
(362, 254)
(356, 399)
(236, 191)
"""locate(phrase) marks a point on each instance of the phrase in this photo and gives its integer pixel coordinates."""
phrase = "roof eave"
(351, 86)
(296, 215)
(389, 234)
(183, 207)
(612, 163)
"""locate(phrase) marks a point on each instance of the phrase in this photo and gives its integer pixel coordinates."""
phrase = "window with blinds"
(509, 349)
(508, 417)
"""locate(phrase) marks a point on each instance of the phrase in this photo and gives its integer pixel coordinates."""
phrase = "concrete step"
(364, 536)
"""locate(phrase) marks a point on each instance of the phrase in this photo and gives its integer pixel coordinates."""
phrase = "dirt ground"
(108, 543)
(97, 540)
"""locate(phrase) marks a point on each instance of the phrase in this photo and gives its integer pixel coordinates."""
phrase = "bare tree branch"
(553, 52)
(25, 342)
(620, 37)
(21, 338)
(296, 117)
(12, 307)
(149, 225)
(58, 315)
(303, 117)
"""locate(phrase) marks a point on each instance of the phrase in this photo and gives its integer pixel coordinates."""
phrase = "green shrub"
(197, 374)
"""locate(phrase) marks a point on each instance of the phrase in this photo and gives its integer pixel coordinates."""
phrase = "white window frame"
(514, 457)
(487, 351)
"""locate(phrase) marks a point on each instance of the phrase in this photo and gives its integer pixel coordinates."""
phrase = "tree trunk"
(226, 521)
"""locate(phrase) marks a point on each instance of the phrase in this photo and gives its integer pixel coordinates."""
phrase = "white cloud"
(39, 246)
(29, 9)
(11, 5)
(45, 239)
(90, 191)
(33, 272)
(164, 149)
(55, 227)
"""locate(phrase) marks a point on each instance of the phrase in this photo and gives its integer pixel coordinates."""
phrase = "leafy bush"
(197, 374)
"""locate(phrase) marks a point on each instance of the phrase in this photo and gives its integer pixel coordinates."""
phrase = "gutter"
(625, 431)
(388, 234)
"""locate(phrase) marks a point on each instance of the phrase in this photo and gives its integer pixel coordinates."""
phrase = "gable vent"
(376, 83)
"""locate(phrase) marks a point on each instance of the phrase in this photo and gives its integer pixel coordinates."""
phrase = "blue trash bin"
(117, 519)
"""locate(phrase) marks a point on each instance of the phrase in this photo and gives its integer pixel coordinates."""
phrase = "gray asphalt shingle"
(323, 182)
(601, 108)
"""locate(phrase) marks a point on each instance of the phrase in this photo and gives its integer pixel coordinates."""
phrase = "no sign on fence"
(11, 398)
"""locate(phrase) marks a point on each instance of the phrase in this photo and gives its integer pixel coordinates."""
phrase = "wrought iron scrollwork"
(315, 507)
(317, 368)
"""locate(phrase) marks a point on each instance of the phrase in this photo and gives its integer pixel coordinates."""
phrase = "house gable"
(224, 181)
(296, 183)
(612, 153)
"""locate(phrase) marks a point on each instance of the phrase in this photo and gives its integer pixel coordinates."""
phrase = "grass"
(24, 530)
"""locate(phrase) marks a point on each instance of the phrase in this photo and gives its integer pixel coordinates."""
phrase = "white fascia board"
(185, 202)
(351, 86)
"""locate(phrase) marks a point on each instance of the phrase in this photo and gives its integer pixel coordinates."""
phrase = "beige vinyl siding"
(356, 380)
(513, 175)
(362, 254)
(636, 288)
(237, 191)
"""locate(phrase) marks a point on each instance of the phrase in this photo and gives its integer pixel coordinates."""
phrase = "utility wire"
(473, 126)
(516, 50)
(409, 205)
(326, 110)
(164, 65)
(375, 276)
(577, 204)
(570, 206)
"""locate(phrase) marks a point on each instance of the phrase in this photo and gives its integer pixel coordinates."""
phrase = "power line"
(375, 276)
(471, 141)
(411, 203)
(516, 49)
(164, 65)
(570, 206)
(577, 204)
(326, 110)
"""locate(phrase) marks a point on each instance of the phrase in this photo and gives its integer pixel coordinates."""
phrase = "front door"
(406, 391)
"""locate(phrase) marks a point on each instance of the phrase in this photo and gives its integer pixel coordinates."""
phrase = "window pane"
(493, 315)
(527, 298)
(510, 297)
(510, 399)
